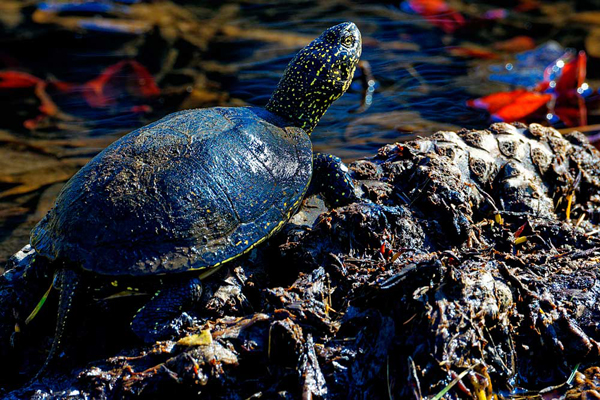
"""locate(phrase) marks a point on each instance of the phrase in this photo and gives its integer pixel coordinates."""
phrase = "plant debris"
(422, 288)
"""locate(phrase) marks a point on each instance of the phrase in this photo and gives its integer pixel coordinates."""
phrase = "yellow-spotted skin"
(318, 75)
(331, 179)
(200, 187)
(191, 192)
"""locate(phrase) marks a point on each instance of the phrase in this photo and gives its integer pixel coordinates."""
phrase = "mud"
(470, 265)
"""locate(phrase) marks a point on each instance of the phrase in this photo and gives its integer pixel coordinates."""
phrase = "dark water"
(89, 74)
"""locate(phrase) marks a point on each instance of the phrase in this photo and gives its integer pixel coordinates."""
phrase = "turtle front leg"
(332, 179)
(163, 316)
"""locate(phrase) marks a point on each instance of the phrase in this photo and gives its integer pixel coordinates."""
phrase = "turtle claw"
(333, 180)
(162, 317)
(163, 331)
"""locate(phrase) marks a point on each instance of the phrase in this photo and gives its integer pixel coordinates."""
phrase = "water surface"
(83, 75)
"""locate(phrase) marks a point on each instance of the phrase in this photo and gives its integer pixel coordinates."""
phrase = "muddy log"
(470, 265)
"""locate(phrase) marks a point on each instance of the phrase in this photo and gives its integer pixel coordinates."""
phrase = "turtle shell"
(188, 192)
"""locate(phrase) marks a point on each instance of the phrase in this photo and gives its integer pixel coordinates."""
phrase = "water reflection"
(74, 76)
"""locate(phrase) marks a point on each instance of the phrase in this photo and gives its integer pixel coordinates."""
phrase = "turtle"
(180, 197)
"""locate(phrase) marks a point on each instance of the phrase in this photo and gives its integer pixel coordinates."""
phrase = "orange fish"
(516, 45)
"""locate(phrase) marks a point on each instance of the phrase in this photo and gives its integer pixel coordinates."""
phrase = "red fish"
(511, 106)
(16, 79)
(568, 89)
(566, 92)
(438, 13)
(127, 75)
(124, 79)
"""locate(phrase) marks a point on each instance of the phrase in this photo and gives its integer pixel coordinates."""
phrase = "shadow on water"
(75, 76)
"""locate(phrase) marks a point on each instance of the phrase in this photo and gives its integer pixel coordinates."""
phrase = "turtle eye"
(348, 41)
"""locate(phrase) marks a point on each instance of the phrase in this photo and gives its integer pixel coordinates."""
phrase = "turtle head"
(317, 76)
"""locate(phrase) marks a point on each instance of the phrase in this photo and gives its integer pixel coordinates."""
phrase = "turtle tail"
(68, 281)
